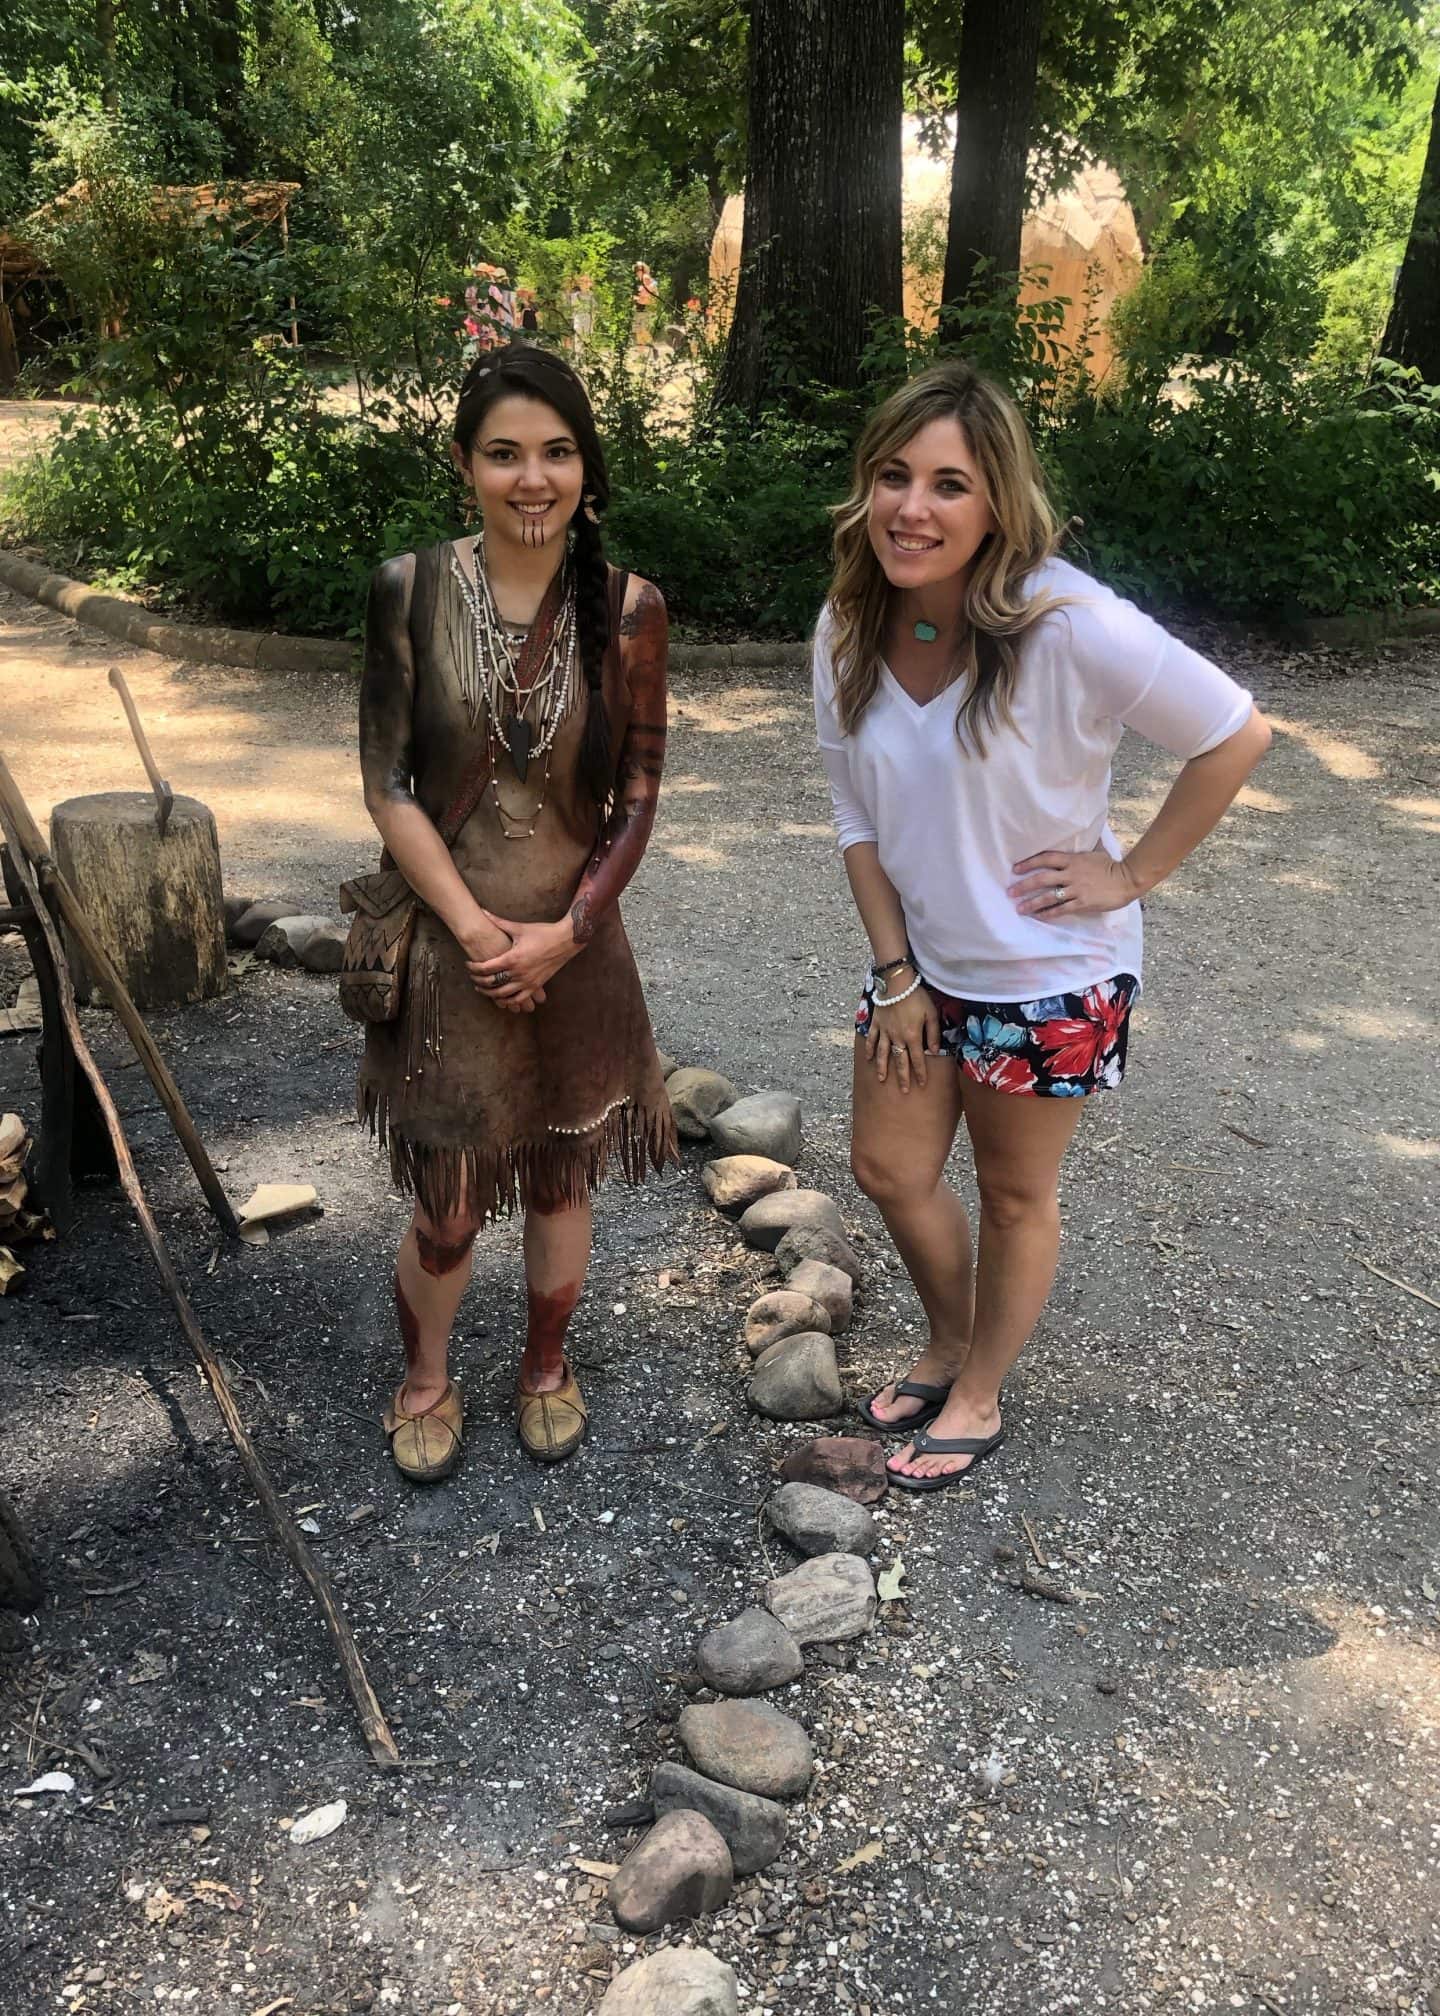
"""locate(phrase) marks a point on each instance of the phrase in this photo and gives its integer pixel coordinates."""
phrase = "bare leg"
(899, 1143)
(1019, 1144)
(432, 1272)
(557, 1256)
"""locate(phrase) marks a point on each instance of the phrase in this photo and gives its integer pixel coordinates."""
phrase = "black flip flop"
(973, 1446)
(907, 1389)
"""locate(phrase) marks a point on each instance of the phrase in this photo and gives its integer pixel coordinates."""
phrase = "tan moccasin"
(552, 1426)
(426, 1446)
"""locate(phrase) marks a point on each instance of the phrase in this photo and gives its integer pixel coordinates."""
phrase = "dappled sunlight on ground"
(737, 710)
(1342, 759)
(1405, 1149)
(1423, 813)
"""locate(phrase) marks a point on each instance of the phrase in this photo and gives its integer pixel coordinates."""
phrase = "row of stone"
(276, 928)
(721, 1814)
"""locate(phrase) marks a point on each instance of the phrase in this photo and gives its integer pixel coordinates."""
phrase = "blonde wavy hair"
(997, 612)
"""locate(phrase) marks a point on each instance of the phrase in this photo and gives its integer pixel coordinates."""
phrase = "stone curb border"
(277, 651)
(274, 650)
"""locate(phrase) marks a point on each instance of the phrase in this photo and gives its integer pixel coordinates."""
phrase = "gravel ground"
(1209, 1781)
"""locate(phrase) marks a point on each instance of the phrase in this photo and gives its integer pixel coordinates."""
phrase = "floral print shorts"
(1059, 1047)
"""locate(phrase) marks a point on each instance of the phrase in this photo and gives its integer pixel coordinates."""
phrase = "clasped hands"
(509, 963)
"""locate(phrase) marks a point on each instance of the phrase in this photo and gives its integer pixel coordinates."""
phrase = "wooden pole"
(372, 1718)
(164, 796)
(26, 839)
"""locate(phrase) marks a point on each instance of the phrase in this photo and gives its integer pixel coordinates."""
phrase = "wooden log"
(27, 849)
(154, 904)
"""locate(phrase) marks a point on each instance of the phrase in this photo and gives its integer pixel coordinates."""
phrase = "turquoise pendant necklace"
(925, 633)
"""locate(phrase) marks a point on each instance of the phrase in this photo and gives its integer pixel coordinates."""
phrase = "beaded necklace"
(522, 678)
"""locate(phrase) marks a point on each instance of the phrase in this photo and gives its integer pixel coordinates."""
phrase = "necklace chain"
(538, 708)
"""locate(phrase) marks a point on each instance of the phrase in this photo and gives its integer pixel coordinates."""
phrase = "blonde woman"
(970, 691)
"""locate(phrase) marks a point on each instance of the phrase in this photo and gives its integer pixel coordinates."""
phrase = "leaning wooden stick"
(372, 1718)
(26, 839)
(164, 796)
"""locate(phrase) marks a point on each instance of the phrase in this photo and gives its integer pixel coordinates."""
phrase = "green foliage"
(1260, 493)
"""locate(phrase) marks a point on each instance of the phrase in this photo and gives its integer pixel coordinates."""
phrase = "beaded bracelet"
(888, 965)
(889, 1000)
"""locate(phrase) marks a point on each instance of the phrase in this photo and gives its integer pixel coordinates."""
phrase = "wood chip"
(871, 1852)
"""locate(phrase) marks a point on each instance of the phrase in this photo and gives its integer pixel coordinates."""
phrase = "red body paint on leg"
(545, 1335)
(438, 1257)
(409, 1328)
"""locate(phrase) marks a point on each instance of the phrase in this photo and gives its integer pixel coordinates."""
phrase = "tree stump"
(155, 905)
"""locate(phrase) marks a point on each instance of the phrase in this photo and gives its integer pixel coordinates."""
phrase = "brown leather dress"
(479, 1108)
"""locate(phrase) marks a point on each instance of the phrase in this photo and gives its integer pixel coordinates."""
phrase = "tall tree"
(994, 113)
(1412, 334)
(821, 243)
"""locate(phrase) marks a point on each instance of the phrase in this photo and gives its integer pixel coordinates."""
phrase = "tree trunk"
(1412, 335)
(227, 75)
(105, 36)
(999, 51)
(155, 905)
(821, 241)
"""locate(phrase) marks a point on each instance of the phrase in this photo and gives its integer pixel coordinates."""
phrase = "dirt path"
(1209, 1783)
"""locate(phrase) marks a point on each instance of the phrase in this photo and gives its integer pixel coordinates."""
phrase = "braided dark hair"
(525, 371)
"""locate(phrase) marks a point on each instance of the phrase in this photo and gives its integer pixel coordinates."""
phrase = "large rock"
(797, 1380)
(754, 1828)
(821, 1522)
(824, 1600)
(668, 1065)
(812, 1242)
(750, 1745)
(696, 1096)
(846, 1463)
(783, 1314)
(252, 924)
(750, 1654)
(324, 950)
(767, 1123)
(676, 1981)
(831, 1287)
(284, 941)
(682, 1869)
(734, 1182)
(767, 1220)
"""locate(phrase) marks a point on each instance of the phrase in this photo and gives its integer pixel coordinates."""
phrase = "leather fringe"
(491, 1183)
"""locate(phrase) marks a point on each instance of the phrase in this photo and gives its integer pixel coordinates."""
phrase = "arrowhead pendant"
(519, 738)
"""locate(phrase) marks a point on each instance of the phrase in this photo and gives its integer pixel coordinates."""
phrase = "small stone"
(735, 1182)
(797, 1380)
(829, 1598)
(831, 1287)
(633, 1813)
(682, 1869)
(812, 1242)
(284, 941)
(848, 1464)
(750, 1745)
(767, 1123)
(696, 1097)
(668, 1065)
(93, 1976)
(324, 950)
(768, 1219)
(750, 1654)
(780, 1314)
(252, 924)
(235, 908)
(821, 1522)
(754, 1828)
(677, 1981)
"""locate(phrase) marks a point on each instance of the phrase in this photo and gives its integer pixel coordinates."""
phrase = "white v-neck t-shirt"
(950, 825)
